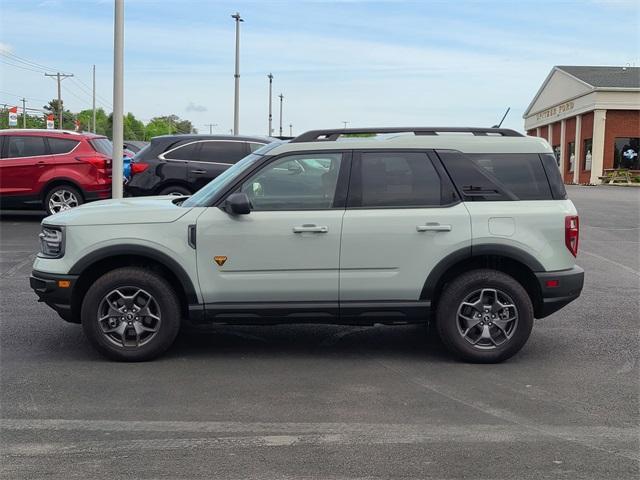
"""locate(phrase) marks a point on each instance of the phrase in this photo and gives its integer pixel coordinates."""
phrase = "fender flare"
(470, 252)
(117, 250)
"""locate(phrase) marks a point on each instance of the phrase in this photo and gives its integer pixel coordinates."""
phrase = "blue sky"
(372, 63)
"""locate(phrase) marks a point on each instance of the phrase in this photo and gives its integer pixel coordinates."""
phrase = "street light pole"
(281, 97)
(118, 100)
(291, 129)
(236, 100)
(270, 77)
(94, 99)
(345, 124)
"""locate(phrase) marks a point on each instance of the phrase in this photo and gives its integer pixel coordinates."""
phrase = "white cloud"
(192, 107)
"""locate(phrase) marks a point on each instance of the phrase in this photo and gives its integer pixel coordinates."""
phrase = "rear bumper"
(54, 294)
(558, 289)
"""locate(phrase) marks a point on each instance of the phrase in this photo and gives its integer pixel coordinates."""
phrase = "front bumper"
(53, 289)
(558, 289)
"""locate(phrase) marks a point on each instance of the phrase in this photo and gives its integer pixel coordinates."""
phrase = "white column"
(578, 162)
(597, 152)
(563, 154)
(550, 134)
(537, 131)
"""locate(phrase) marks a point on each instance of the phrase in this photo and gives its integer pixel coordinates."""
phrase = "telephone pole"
(94, 99)
(345, 123)
(281, 97)
(24, 112)
(59, 76)
(270, 77)
(236, 100)
(210, 125)
(291, 129)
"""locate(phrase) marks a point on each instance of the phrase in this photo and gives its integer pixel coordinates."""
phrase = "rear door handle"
(310, 228)
(199, 172)
(41, 163)
(433, 227)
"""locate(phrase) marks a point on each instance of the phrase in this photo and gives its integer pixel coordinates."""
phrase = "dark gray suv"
(182, 164)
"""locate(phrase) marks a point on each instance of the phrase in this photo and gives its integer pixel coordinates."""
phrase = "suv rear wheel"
(62, 197)
(131, 314)
(484, 316)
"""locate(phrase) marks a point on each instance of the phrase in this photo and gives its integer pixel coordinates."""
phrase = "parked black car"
(182, 164)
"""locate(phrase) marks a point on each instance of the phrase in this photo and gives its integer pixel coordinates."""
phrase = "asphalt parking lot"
(332, 402)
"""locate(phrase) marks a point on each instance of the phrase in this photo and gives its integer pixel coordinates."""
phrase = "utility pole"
(24, 112)
(210, 125)
(59, 76)
(270, 77)
(281, 97)
(291, 129)
(236, 99)
(118, 99)
(345, 124)
(94, 99)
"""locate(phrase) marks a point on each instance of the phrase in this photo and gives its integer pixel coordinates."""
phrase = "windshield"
(202, 197)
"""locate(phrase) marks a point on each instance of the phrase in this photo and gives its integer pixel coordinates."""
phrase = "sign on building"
(50, 122)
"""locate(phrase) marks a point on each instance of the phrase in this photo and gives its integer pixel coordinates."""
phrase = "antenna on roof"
(503, 117)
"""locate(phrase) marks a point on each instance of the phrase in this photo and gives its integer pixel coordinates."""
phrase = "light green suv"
(468, 227)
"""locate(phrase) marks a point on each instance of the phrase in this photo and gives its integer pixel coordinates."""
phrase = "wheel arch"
(99, 262)
(510, 260)
(54, 182)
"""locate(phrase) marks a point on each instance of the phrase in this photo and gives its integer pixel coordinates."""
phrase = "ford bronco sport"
(468, 227)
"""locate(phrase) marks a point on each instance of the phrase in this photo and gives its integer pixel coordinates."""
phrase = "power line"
(26, 61)
(20, 66)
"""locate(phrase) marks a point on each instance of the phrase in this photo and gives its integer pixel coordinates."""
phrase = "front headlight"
(51, 242)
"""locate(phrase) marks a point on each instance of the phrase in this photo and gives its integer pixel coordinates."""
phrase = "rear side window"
(102, 145)
(185, 152)
(394, 179)
(222, 152)
(498, 176)
(61, 145)
(26, 147)
(553, 174)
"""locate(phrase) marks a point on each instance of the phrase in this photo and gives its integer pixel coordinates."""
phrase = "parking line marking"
(624, 267)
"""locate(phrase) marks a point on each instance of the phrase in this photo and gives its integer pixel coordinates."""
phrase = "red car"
(53, 170)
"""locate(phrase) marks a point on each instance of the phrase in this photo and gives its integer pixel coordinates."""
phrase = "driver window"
(297, 182)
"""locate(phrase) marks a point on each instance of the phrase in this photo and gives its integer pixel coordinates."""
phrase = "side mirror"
(237, 204)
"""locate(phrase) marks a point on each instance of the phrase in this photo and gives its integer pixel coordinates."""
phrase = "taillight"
(101, 163)
(572, 233)
(138, 167)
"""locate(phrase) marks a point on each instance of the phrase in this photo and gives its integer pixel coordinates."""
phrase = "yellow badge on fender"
(220, 259)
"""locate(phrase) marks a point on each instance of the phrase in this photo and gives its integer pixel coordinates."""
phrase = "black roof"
(605, 77)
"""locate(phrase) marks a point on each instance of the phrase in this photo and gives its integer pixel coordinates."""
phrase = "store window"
(626, 153)
(587, 154)
(571, 155)
(556, 153)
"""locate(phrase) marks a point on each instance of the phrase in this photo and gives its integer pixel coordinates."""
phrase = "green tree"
(86, 120)
(67, 117)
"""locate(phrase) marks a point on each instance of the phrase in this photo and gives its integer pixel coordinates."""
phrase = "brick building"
(591, 118)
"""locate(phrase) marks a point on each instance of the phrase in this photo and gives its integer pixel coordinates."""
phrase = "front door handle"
(199, 172)
(310, 228)
(41, 164)
(433, 227)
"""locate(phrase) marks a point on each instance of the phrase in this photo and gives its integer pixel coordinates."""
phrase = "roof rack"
(331, 135)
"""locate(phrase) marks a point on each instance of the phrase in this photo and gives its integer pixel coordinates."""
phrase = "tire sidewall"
(50, 193)
(162, 292)
(454, 295)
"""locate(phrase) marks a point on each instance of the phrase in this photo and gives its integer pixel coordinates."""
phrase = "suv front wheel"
(484, 316)
(131, 314)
